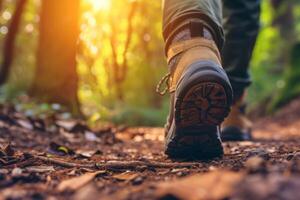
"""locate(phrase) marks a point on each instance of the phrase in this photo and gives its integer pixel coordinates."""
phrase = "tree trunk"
(9, 43)
(119, 70)
(56, 80)
(289, 59)
(1, 5)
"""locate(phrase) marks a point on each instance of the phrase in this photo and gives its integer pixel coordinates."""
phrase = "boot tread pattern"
(203, 104)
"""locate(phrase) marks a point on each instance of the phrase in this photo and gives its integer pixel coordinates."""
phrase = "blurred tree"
(1, 4)
(285, 21)
(9, 43)
(115, 85)
(55, 76)
(284, 17)
(119, 69)
(291, 88)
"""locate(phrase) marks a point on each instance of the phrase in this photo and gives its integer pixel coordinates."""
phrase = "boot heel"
(204, 104)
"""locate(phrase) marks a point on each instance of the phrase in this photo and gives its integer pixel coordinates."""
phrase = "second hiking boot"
(237, 127)
(201, 97)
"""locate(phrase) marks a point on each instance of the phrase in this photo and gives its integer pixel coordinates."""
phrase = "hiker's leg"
(179, 13)
(199, 88)
(241, 26)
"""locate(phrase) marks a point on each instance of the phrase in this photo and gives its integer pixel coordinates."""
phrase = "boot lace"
(164, 80)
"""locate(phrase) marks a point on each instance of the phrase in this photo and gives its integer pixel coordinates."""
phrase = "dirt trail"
(59, 159)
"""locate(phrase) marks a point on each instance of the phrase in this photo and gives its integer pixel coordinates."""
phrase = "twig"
(119, 164)
(150, 164)
(21, 164)
(64, 163)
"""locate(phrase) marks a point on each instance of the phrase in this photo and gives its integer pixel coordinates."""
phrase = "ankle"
(186, 34)
(186, 40)
(183, 35)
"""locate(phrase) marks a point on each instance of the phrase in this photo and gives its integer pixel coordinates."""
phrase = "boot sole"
(199, 110)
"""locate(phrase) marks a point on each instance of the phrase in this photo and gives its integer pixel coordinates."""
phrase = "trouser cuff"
(239, 86)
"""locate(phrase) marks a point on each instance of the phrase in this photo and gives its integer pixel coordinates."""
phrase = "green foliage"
(291, 88)
(269, 71)
(263, 64)
(24, 62)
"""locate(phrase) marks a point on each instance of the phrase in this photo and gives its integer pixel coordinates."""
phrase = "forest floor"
(58, 159)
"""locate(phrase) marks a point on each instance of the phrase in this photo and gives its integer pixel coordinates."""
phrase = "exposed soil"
(58, 159)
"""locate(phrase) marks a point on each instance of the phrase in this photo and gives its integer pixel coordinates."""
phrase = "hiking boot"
(237, 127)
(201, 96)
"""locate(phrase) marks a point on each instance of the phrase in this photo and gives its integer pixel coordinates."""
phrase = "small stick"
(23, 163)
(150, 164)
(64, 163)
(119, 164)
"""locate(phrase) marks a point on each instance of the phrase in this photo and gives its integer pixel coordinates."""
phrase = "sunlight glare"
(100, 4)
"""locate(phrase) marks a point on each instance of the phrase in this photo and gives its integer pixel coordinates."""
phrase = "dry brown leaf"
(89, 191)
(85, 154)
(126, 176)
(212, 185)
(68, 125)
(25, 124)
(75, 183)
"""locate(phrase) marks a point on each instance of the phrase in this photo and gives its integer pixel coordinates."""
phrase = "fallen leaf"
(272, 186)
(126, 176)
(75, 183)
(25, 124)
(67, 125)
(73, 172)
(213, 185)
(86, 154)
(13, 193)
(89, 191)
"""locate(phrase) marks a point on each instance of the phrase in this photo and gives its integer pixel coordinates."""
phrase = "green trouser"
(240, 23)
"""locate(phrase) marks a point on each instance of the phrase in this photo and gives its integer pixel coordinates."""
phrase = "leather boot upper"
(190, 51)
(186, 53)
